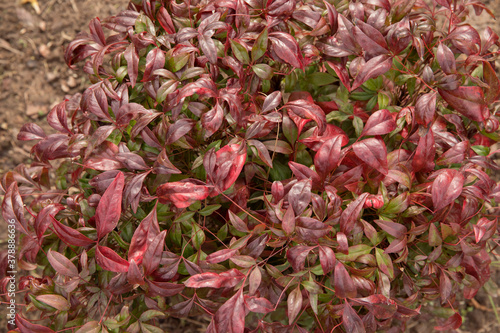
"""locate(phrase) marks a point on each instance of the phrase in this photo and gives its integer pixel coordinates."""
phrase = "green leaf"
(481, 150)
(263, 71)
(384, 262)
(177, 62)
(208, 210)
(150, 314)
(260, 46)
(240, 52)
(434, 237)
(197, 235)
(321, 79)
(354, 252)
(358, 125)
(383, 100)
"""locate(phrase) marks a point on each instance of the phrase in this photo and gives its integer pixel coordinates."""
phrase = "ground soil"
(34, 77)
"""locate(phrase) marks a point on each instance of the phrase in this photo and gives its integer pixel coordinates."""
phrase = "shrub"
(275, 166)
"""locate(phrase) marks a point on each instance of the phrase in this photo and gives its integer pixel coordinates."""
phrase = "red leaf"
(328, 156)
(57, 118)
(94, 100)
(424, 154)
(394, 229)
(109, 209)
(351, 214)
(221, 255)
(13, 208)
(294, 304)
(153, 254)
(299, 196)
(446, 188)
(31, 131)
(468, 100)
(491, 78)
(446, 59)
(236, 155)
(343, 283)
(379, 123)
(452, 323)
(351, 321)
(340, 69)
(132, 59)
(238, 223)
(178, 130)
(288, 223)
(455, 154)
(155, 59)
(444, 287)
(163, 165)
(182, 194)
(231, 315)
(286, 49)
(425, 108)
(165, 20)
(258, 304)
(381, 306)
(208, 47)
(272, 101)
(26, 327)
(373, 152)
(212, 120)
(371, 69)
(109, 260)
(42, 221)
(303, 173)
(370, 39)
(164, 289)
(61, 264)
(70, 235)
(297, 256)
(327, 259)
(307, 110)
(204, 280)
(465, 38)
(262, 152)
(134, 275)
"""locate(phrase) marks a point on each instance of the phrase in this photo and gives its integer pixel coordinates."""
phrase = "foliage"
(275, 166)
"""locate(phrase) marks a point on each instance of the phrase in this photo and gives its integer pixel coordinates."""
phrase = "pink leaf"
(424, 154)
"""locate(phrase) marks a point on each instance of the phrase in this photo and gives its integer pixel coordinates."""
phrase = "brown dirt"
(34, 77)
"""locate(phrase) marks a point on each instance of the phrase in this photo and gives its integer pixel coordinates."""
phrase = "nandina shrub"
(274, 166)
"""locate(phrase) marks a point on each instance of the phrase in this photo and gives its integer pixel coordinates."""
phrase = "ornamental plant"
(272, 166)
